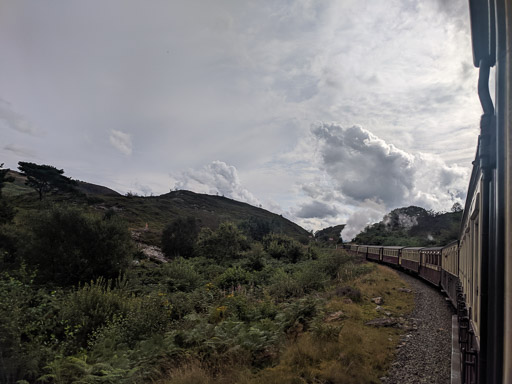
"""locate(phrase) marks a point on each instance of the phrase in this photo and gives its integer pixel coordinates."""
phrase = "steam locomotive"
(476, 270)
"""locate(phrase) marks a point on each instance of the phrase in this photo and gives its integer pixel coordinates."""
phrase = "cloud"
(20, 151)
(121, 141)
(364, 166)
(316, 209)
(216, 178)
(14, 120)
(361, 177)
(367, 168)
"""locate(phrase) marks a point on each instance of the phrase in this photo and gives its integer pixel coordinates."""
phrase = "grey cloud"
(216, 178)
(377, 176)
(364, 166)
(14, 120)
(20, 151)
(316, 209)
(121, 141)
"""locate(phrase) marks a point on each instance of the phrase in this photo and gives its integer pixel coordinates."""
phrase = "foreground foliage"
(231, 310)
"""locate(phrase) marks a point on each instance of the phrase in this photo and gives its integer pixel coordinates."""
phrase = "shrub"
(353, 294)
(283, 285)
(179, 275)
(283, 248)
(233, 277)
(69, 246)
(92, 306)
(224, 244)
(179, 237)
(28, 325)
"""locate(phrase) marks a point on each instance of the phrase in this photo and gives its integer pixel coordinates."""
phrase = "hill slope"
(333, 233)
(209, 210)
(412, 226)
(157, 211)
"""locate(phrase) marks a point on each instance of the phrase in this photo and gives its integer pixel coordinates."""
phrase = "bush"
(69, 246)
(179, 237)
(224, 244)
(179, 275)
(233, 277)
(27, 328)
(284, 248)
(352, 293)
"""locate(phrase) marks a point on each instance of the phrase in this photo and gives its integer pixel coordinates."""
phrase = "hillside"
(333, 233)
(157, 211)
(412, 226)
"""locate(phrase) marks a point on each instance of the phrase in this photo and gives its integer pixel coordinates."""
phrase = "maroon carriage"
(430, 264)
(391, 255)
(410, 258)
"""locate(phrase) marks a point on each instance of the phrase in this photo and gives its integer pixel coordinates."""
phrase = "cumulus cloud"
(366, 167)
(121, 141)
(316, 209)
(372, 176)
(216, 178)
(14, 120)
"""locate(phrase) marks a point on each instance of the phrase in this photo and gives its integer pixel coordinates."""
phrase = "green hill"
(413, 226)
(158, 211)
(330, 234)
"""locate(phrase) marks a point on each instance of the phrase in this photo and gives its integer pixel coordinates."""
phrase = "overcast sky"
(327, 112)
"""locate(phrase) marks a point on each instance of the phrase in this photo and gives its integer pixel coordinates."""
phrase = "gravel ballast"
(424, 351)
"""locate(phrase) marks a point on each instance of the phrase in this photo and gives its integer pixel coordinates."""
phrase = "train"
(454, 269)
(476, 270)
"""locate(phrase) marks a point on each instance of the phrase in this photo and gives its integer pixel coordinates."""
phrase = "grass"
(359, 353)
(340, 351)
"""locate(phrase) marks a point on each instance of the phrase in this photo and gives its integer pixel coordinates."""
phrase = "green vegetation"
(179, 237)
(68, 246)
(413, 227)
(330, 234)
(46, 178)
(233, 304)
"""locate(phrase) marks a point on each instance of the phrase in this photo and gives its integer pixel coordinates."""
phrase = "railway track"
(424, 353)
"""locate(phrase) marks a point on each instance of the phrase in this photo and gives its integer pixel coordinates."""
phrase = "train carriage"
(410, 258)
(430, 264)
(362, 250)
(353, 249)
(374, 252)
(450, 270)
(391, 255)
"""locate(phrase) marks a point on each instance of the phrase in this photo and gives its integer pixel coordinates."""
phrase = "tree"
(68, 246)
(6, 210)
(179, 237)
(4, 178)
(457, 207)
(46, 178)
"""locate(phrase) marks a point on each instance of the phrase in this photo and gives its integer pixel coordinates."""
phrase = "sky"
(327, 112)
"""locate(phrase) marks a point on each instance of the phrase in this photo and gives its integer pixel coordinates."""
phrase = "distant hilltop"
(413, 226)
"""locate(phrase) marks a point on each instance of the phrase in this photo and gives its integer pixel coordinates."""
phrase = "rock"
(378, 300)
(404, 290)
(335, 316)
(388, 314)
(378, 308)
(152, 252)
(383, 322)
(347, 300)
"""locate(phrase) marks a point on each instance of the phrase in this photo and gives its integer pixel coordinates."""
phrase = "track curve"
(425, 351)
